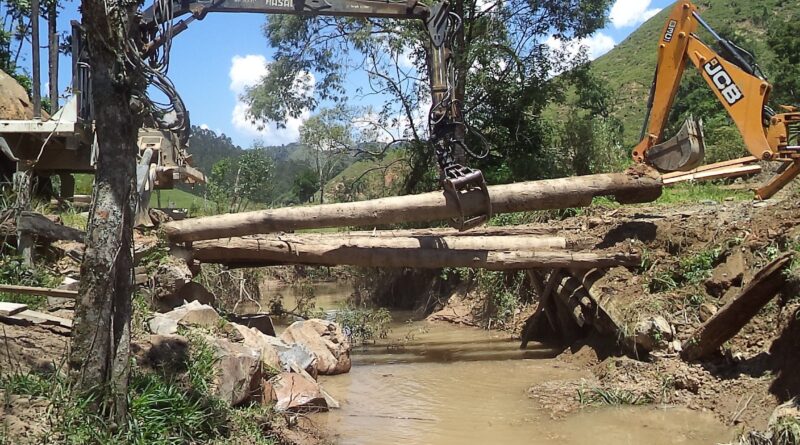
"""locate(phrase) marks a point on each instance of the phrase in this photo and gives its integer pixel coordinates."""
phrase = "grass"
(691, 270)
(163, 409)
(14, 271)
(693, 193)
(612, 397)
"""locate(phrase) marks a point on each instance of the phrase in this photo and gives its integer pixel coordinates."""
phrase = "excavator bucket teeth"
(683, 152)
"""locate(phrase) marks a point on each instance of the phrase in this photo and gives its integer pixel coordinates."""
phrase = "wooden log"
(253, 252)
(432, 242)
(629, 187)
(39, 225)
(43, 291)
(727, 322)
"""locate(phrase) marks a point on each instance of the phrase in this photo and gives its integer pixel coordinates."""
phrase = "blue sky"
(216, 58)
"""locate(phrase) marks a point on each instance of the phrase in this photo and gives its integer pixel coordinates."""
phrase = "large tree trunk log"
(629, 187)
(100, 353)
(427, 242)
(733, 316)
(253, 252)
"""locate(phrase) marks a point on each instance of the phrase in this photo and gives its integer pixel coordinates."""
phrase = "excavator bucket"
(683, 152)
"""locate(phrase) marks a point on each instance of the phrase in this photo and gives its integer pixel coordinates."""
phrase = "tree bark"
(52, 54)
(100, 353)
(253, 252)
(629, 187)
(733, 316)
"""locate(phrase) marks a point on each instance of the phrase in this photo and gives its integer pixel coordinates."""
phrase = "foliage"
(692, 270)
(362, 325)
(238, 182)
(505, 291)
(328, 138)
(231, 287)
(502, 72)
(612, 397)
(784, 38)
(14, 271)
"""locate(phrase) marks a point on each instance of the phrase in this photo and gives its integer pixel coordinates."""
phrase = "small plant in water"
(612, 397)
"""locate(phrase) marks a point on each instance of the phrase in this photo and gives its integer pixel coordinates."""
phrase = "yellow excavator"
(740, 86)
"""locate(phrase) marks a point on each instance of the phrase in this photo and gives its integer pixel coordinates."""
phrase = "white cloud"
(595, 45)
(247, 71)
(204, 126)
(627, 13)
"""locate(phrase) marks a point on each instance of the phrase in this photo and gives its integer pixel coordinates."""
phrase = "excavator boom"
(736, 81)
(447, 126)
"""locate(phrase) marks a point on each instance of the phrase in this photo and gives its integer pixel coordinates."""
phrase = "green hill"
(628, 68)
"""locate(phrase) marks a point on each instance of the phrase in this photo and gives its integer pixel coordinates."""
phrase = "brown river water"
(440, 384)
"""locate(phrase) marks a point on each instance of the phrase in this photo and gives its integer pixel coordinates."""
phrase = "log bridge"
(244, 240)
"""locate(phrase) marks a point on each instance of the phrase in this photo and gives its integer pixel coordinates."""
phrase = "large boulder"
(294, 392)
(325, 340)
(277, 354)
(190, 314)
(170, 276)
(268, 347)
(237, 371)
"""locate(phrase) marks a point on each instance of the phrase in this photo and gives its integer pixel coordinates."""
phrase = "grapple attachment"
(683, 152)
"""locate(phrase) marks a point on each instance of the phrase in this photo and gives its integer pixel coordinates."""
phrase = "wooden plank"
(7, 309)
(729, 320)
(636, 185)
(42, 318)
(42, 291)
(727, 172)
(714, 166)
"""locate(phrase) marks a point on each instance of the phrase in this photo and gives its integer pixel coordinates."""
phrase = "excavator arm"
(447, 126)
(738, 84)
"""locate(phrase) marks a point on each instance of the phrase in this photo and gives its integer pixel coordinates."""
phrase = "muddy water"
(442, 384)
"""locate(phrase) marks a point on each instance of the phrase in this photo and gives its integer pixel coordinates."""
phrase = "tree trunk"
(733, 316)
(100, 353)
(382, 253)
(52, 54)
(562, 193)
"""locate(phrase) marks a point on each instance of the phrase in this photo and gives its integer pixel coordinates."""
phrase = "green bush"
(14, 271)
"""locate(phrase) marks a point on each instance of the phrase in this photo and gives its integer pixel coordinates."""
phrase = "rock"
(706, 311)
(191, 291)
(298, 357)
(294, 392)
(268, 347)
(197, 314)
(237, 371)
(162, 325)
(325, 340)
(262, 322)
(192, 313)
(730, 273)
(170, 276)
(163, 352)
(653, 333)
